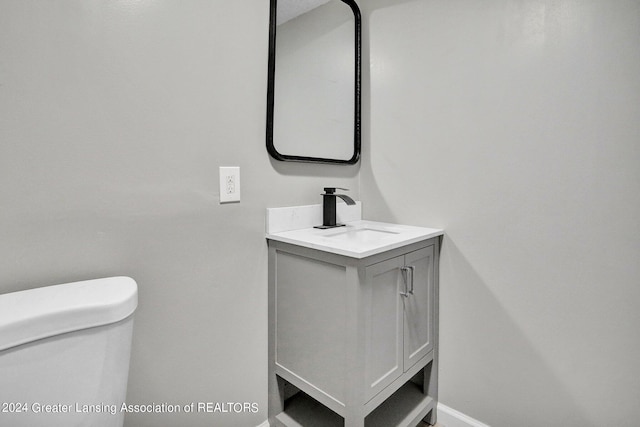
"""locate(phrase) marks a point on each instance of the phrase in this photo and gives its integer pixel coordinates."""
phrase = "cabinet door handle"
(408, 279)
(413, 270)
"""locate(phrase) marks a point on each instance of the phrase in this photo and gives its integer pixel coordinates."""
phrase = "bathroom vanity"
(353, 321)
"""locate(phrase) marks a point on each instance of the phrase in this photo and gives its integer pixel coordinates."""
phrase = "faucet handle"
(331, 190)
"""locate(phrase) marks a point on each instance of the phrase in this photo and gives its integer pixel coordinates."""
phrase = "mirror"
(313, 97)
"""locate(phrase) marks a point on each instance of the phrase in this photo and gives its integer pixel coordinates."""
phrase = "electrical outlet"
(229, 184)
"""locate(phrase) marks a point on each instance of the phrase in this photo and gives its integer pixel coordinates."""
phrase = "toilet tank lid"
(33, 314)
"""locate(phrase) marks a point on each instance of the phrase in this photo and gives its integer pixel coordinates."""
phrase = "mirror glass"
(313, 106)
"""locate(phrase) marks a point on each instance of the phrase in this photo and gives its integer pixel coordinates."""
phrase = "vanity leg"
(275, 384)
(431, 417)
(430, 388)
(354, 419)
(431, 370)
(276, 397)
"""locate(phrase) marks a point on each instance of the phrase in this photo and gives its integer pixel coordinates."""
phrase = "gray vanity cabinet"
(357, 336)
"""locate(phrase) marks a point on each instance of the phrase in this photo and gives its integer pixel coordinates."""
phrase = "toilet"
(64, 353)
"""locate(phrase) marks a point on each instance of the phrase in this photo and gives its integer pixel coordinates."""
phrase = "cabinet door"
(418, 307)
(383, 324)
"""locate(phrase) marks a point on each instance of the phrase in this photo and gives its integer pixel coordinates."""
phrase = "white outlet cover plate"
(229, 184)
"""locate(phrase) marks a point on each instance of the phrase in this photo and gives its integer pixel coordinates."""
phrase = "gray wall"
(114, 119)
(514, 126)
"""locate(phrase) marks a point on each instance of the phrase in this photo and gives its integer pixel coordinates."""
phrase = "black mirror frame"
(357, 92)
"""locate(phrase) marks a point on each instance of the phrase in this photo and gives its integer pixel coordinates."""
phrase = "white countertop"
(357, 239)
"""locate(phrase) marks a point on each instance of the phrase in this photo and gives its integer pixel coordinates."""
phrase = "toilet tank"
(64, 353)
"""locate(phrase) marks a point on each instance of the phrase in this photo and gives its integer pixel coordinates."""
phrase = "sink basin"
(357, 239)
(364, 235)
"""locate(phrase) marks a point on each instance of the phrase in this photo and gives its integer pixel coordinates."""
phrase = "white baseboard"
(449, 417)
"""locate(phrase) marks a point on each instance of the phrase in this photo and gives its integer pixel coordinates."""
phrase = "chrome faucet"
(329, 206)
